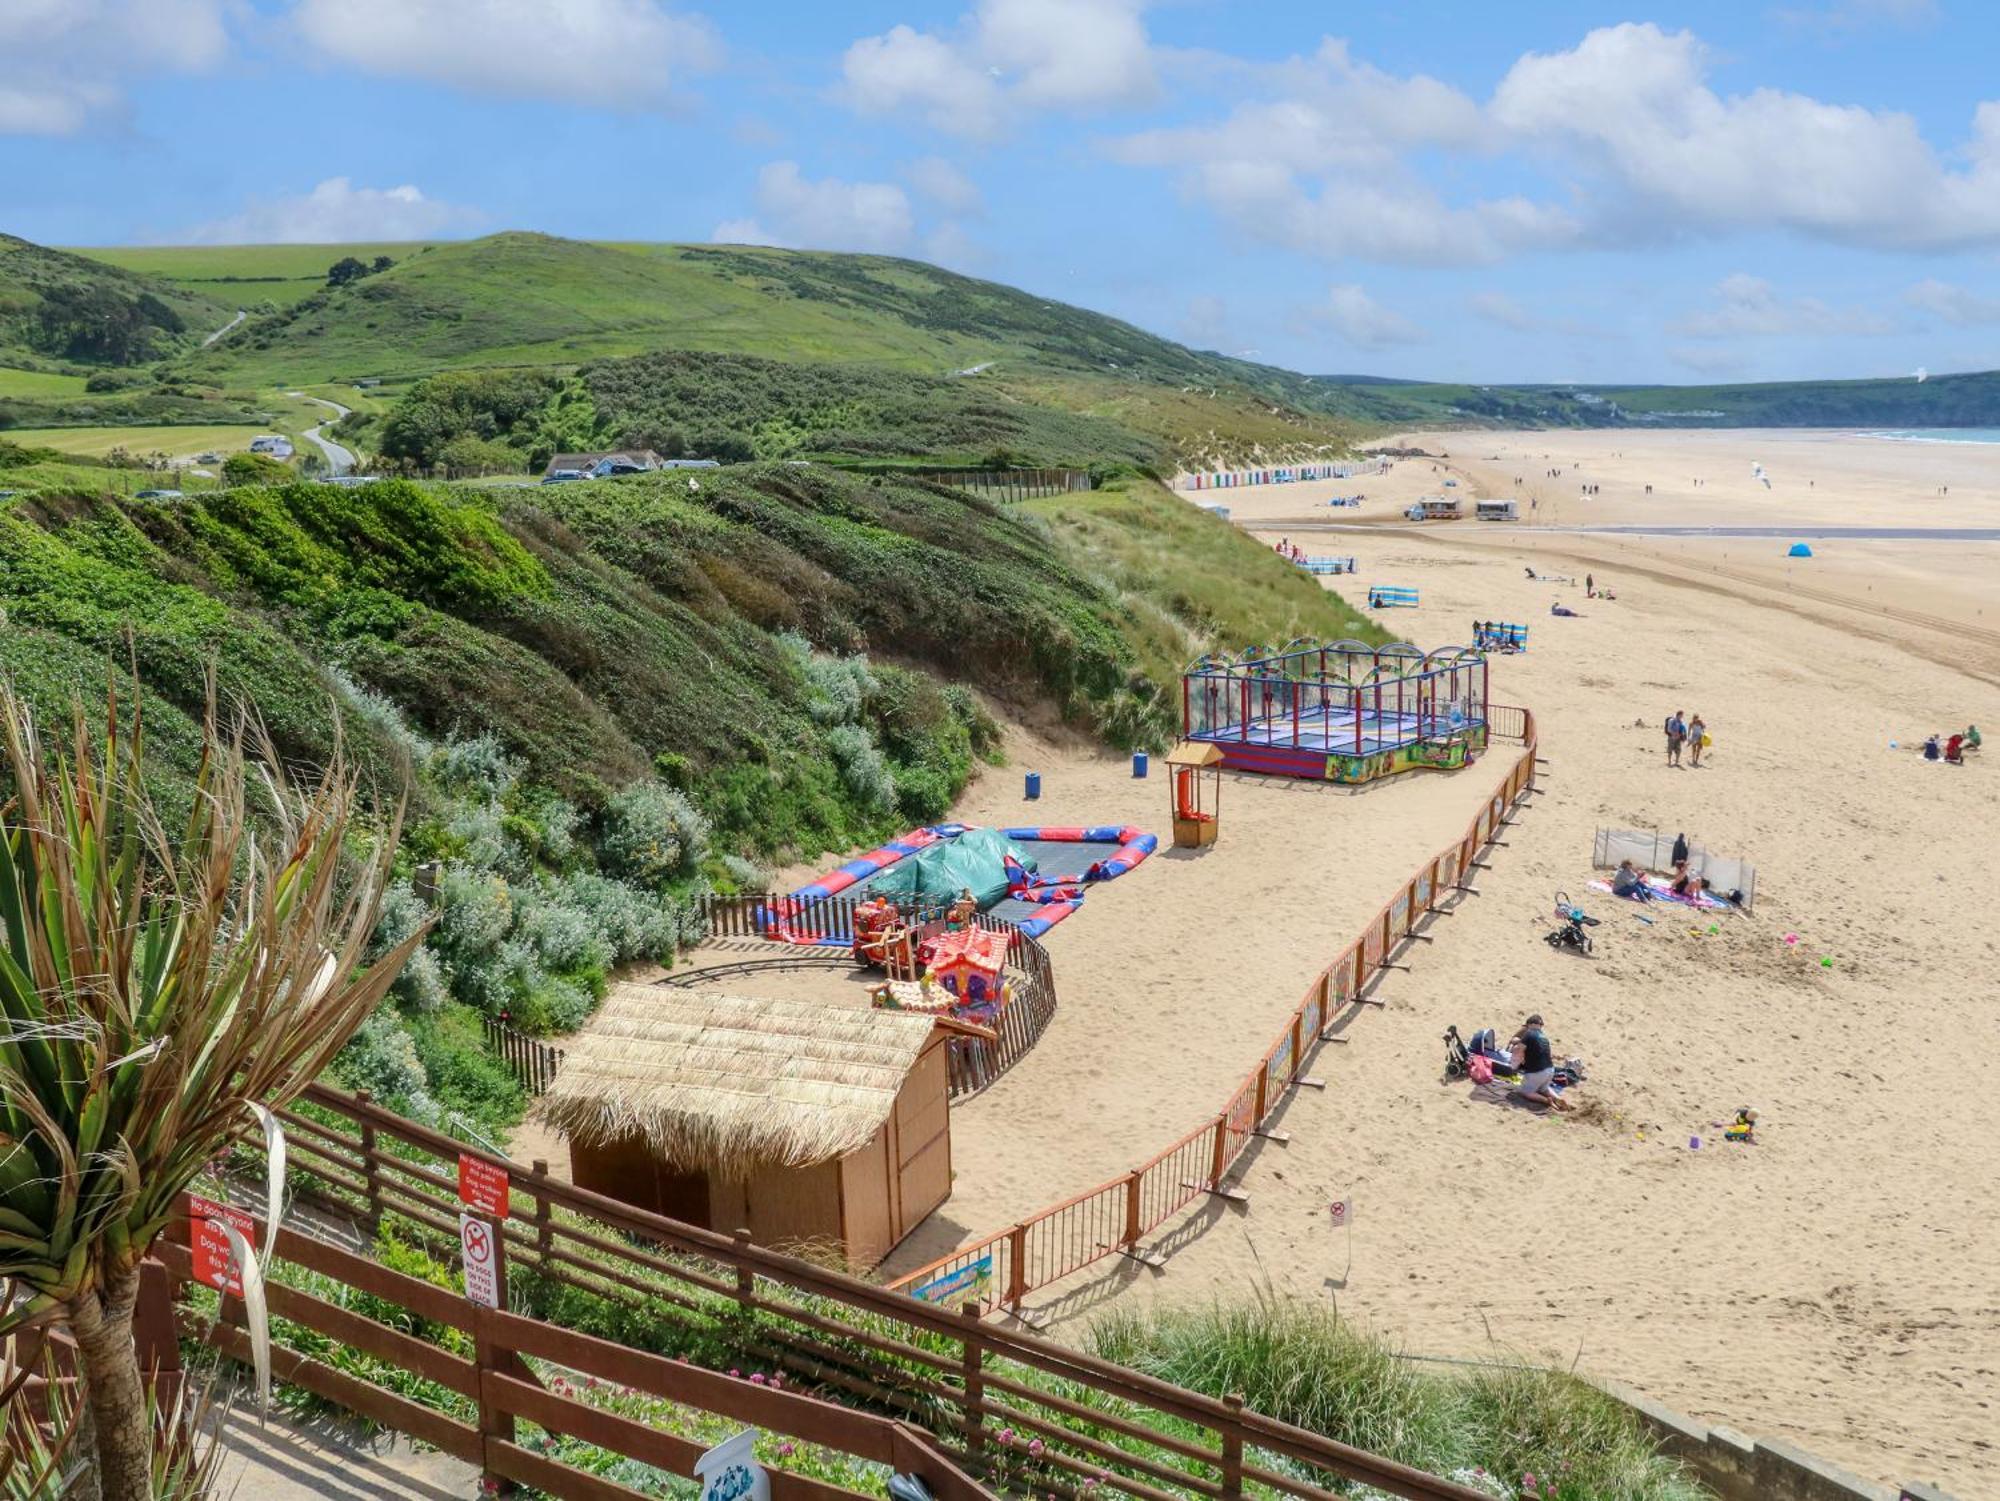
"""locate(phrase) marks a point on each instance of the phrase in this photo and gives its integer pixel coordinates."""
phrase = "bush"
(382, 1058)
(637, 924)
(253, 469)
(862, 768)
(653, 836)
(464, 1076)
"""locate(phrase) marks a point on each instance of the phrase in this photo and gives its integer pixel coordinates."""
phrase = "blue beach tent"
(1799, 550)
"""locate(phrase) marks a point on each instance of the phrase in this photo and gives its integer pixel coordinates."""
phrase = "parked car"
(563, 476)
(208, 458)
(157, 495)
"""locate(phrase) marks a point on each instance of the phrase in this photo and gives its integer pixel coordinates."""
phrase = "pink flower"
(758, 1379)
(1035, 1447)
(1528, 1481)
(736, 1373)
(1006, 1435)
(787, 1449)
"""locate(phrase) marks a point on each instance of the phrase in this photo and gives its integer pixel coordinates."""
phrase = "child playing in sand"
(1696, 732)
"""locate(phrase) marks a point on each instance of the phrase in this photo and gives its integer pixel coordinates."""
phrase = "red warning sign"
(482, 1185)
(214, 1264)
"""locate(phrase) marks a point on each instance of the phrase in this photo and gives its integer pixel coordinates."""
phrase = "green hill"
(67, 314)
(1969, 400)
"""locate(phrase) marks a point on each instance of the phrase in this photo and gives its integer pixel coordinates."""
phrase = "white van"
(1497, 510)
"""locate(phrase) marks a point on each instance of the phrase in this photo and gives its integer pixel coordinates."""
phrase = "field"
(37, 383)
(96, 442)
(249, 274)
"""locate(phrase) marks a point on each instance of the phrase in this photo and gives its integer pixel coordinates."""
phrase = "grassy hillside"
(244, 276)
(1971, 400)
(65, 314)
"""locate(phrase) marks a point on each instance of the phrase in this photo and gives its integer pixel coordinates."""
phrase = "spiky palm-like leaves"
(153, 986)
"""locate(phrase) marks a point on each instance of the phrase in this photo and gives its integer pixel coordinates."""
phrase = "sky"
(1467, 191)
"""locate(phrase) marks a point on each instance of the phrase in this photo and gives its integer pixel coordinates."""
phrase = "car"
(208, 458)
(158, 495)
(563, 476)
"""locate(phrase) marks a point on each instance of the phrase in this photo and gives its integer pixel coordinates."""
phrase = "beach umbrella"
(1799, 550)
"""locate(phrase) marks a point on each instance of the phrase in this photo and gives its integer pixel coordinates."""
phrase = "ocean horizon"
(1938, 435)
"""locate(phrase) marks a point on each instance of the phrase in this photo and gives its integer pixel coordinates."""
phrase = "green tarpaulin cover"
(976, 860)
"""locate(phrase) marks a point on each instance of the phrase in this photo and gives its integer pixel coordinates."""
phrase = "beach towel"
(1663, 891)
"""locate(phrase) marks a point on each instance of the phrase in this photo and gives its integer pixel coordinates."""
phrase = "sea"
(1939, 435)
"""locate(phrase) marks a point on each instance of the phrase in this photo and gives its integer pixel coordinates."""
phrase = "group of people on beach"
(1952, 748)
(1691, 734)
(1285, 549)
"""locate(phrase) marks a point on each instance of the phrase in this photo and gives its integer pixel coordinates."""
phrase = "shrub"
(862, 767)
(653, 836)
(476, 766)
(382, 1058)
(465, 1077)
(637, 924)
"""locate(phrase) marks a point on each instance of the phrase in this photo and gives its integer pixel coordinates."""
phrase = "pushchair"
(1573, 921)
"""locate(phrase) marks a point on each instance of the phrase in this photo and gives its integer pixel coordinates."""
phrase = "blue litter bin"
(1034, 786)
(1138, 763)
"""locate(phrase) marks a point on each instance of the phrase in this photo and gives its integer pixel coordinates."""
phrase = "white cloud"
(621, 54)
(1706, 359)
(1957, 305)
(1363, 322)
(829, 214)
(1005, 59)
(67, 61)
(1337, 158)
(333, 212)
(943, 184)
(1750, 307)
(744, 232)
(1498, 307)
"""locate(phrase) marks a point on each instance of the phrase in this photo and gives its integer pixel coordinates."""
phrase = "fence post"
(1017, 1269)
(1132, 1182)
(368, 1171)
(972, 1405)
(746, 1280)
(1221, 1160)
(1298, 1043)
(544, 1225)
(1232, 1446)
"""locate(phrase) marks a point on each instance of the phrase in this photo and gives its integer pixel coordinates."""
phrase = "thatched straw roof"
(725, 1082)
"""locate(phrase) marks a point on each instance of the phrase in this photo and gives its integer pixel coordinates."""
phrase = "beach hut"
(799, 1121)
(1195, 775)
(1799, 550)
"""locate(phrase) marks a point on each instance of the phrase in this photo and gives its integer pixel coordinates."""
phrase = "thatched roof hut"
(725, 1081)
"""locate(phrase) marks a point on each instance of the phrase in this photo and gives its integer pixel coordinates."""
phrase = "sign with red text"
(214, 1263)
(1341, 1212)
(482, 1185)
(478, 1244)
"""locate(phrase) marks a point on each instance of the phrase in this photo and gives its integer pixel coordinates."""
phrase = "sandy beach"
(1831, 1285)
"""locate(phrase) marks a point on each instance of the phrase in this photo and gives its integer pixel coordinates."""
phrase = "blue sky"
(1561, 191)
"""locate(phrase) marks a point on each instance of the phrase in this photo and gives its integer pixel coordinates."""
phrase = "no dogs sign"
(477, 1244)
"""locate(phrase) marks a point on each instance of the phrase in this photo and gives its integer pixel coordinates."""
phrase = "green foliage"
(734, 407)
(437, 423)
(653, 836)
(1302, 1364)
(253, 469)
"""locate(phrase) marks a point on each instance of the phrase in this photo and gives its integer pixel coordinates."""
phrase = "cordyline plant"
(156, 988)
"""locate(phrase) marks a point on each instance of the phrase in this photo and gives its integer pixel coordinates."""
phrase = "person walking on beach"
(1696, 729)
(1676, 733)
(1589, 587)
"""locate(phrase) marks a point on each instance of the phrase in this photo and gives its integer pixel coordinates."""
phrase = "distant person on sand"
(1559, 608)
(1931, 749)
(1972, 737)
(1536, 1061)
(1589, 587)
(1954, 750)
(1680, 854)
(1696, 730)
(1676, 733)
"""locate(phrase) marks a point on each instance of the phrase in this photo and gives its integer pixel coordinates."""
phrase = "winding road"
(338, 460)
(240, 316)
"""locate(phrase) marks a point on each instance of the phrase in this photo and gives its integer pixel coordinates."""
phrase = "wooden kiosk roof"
(1194, 753)
(725, 1082)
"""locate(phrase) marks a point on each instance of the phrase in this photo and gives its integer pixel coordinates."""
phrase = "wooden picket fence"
(1009, 484)
(531, 1060)
(1111, 1217)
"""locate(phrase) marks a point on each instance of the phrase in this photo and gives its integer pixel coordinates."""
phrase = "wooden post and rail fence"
(1111, 1218)
(929, 1390)
(1006, 485)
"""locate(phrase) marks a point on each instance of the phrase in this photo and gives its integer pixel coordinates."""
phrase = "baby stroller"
(1456, 1058)
(1571, 933)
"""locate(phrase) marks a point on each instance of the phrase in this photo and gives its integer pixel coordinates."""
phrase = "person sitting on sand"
(1531, 573)
(1687, 883)
(1536, 1062)
(1931, 749)
(1564, 610)
(1954, 750)
(1972, 737)
(1629, 882)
